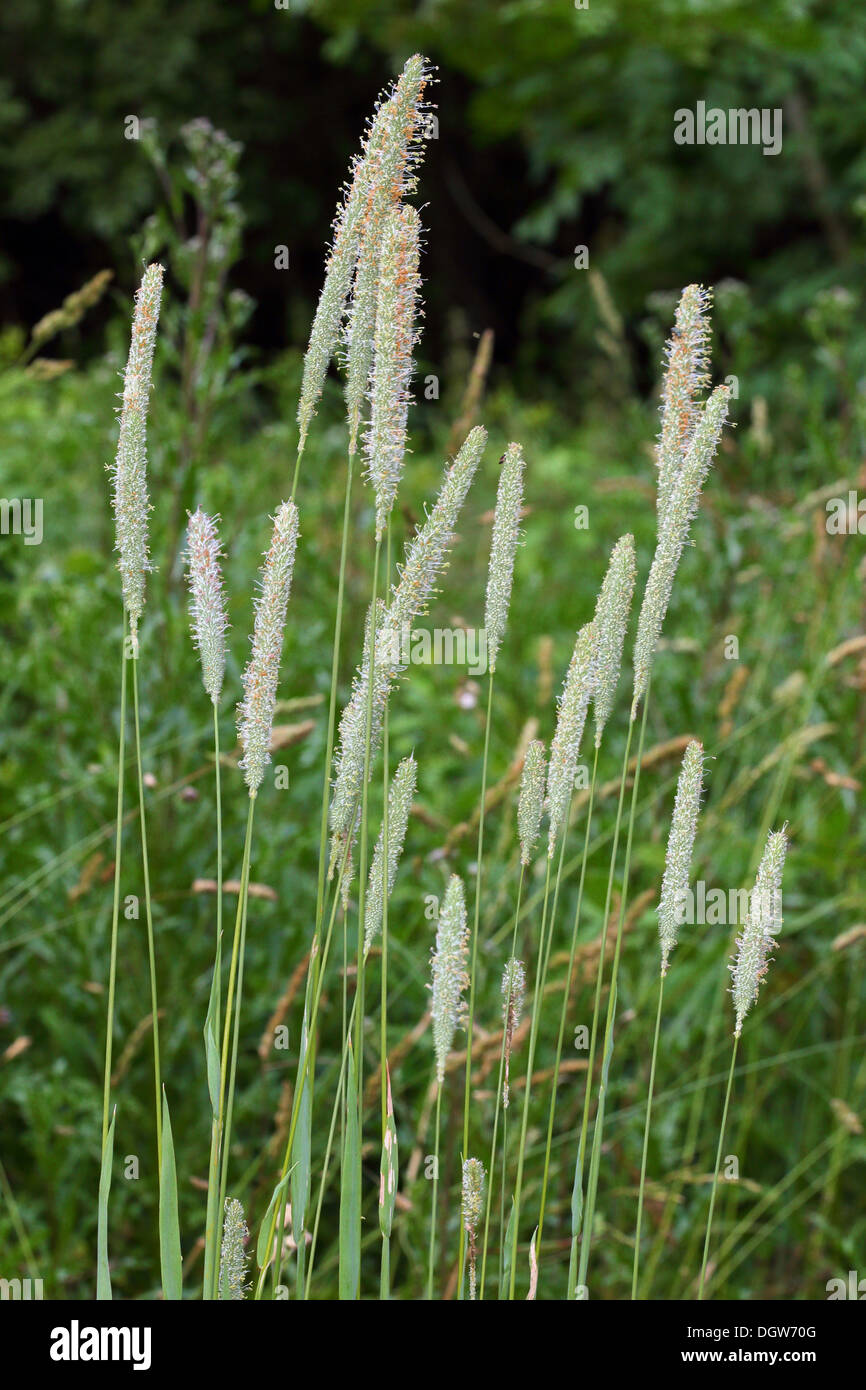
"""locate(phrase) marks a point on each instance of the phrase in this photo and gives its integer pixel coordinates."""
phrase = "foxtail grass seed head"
(506, 535)
(393, 176)
(424, 559)
(383, 870)
(513, 995)
(129, 474)
(681, 840)
(577, 691)
(473, 1193)
(685, 379)
(394, 342)
(256, 710)
(380, 176)
(207, 599)
(473, 1211)
(448, 971)
(763, 921)
(673, 536)
(233, 1258)
(611, 620)
(531, 802)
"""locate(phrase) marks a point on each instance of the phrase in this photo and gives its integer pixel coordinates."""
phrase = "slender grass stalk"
(646, 1134)
(211, 1222)
(565, 1002)
(115, 908)
(479, 857)
(228, 1065)
(488, 1196)
(530, 1062)
(434, 1203)
(592, 1184)
(718, 1165)
(577, 1193)
(148, 911)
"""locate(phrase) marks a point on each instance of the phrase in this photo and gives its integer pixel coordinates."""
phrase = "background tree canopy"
(555, 130)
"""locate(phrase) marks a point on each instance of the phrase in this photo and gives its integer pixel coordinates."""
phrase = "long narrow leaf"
(103, 1276)
(170, 1260)
(350, 1193)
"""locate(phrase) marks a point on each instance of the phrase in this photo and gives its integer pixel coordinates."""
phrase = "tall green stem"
(151, 952)
(431, 1257)
(488, 1196)
(236, 976)
(594, 1163)
(566, 995)
(115, 909)
(646, 1134)
(467, 1084)
(212, 1224)
(716, 1173)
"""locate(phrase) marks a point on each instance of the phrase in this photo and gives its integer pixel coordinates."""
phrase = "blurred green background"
(555, 131)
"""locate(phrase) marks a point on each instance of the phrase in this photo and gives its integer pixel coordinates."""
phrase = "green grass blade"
(170, 1260)
(103, 1276)
(263, 1254)
(350, 1192)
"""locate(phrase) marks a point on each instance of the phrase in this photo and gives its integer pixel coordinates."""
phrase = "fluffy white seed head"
(129, 473)
(513, 992)
(685, 379)
(256, 710)
(394, 342)
(473, 1193)
(383, 870)
(233, 1282)
(423, 562)
(611, 620)
(762, 925)
(577, 691)
(448, 971)
(531, 801)
(681, 840)
(503, 548)
(381, 175)
(393, 165)
(673, 536)
(207, 599)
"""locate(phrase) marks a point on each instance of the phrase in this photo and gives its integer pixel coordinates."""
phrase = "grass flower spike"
(577, 692)
(233, 1261)
(684, 824)
(130, 468)
(761, 927)
(393, 162)
(673, 536)
(394, 342)
(611, 620)
(473, 1210)
(385, 863)
(530, 804)
(424, 559)
(207, 599)
(513, 994)
(385, 150)
(448, 969)
(506, 534)
(256, 711)
(685, 378)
